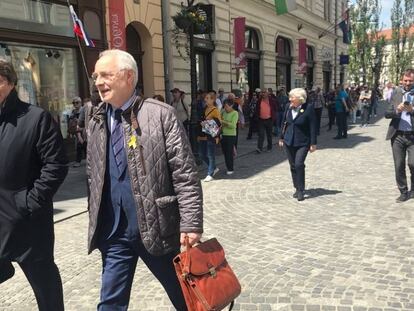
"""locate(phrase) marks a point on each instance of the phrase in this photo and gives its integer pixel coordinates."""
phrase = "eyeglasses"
(105, 76)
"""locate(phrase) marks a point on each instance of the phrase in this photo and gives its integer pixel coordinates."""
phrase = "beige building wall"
(147, 20)
(261, 15)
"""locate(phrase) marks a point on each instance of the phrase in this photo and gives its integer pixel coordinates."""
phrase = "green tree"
(367, 47)
(402, 20)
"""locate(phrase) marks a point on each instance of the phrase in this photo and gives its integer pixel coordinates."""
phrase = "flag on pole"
(78, 28)
(285, 6)
(302, 61)
(239, 42)
(345, 31)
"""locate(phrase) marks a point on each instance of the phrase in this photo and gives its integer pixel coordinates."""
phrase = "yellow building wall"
(146, 19)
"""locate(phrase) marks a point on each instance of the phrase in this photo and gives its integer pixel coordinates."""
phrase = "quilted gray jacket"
(163, 174)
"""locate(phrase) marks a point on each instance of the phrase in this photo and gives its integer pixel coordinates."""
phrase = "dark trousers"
(365, 115)
(297, 157)
(80, 151)
(318, 112)
(401, 147)
(342, 123)
(331, 115)
(119, 258)
(265, 126)
(252, 127)
(227, 145)
(46, 283)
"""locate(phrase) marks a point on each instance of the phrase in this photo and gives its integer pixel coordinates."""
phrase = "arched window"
(252, 39)
(283, 47)
(310, 66)
(283, 63)
(309, 54)
(134, 47)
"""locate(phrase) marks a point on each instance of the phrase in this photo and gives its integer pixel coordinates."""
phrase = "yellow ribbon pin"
(132, 142)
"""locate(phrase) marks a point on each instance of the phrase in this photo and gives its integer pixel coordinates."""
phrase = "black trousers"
(227, 145)
(342, 122)
(297, 157)
(331, 115)
(252, 127)
(80, 151)
(46, 283)
(318, 112)
(265, 126)
(402, 146)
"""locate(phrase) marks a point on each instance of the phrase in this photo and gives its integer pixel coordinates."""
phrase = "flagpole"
(82, 54)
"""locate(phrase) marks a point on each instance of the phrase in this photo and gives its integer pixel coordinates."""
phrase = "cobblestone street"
(348, 246)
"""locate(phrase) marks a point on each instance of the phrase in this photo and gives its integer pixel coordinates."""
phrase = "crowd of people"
(144, 195)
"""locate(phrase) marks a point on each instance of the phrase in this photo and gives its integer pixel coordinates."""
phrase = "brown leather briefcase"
(207, 281)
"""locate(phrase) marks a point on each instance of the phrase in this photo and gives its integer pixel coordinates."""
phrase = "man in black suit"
(401, 133)
(33, 165)
(298, 137)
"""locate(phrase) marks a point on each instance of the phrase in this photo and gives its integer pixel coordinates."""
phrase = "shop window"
(251, 39)
(134, 47)
(283, 63)
(47, 77)
(93, 24)
(36, 16)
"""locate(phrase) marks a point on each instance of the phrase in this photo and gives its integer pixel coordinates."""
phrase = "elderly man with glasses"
(145, 196)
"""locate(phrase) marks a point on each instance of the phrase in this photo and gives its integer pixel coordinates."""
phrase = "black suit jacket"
(33, 164)
(300, 131)
(391, 113)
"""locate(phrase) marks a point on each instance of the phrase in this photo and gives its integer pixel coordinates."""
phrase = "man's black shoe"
(301, 196)
(295, 195)
(6, 271)
(403, 197)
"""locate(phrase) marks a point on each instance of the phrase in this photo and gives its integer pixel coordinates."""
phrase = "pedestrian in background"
(33, 164)
(252, 112)
(283, 100)
(159, 98)
(341, 110)
(319, 102)
(207, 143)
(267, 114)
(76, 131)
(298, 137)
(145, 194)
(229, 120)
(401, 133)
(365, 104)
(182, 108)
(330, 105)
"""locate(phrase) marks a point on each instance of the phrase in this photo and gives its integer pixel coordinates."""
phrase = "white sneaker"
(216, 170)
(230, 172)
(208, 178)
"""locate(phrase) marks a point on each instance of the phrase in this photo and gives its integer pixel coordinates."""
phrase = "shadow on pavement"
(320, 192)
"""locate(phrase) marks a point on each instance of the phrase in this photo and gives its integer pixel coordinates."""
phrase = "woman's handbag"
(207, 281)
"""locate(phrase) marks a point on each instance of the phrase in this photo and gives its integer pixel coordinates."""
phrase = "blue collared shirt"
(111, 111)
(405, 122)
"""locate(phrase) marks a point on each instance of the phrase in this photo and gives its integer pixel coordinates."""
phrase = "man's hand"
(400, 108)
(408, 108)
(312, 148)
(193, 238)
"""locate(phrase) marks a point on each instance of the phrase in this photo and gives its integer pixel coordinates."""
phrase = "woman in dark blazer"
(298, 137)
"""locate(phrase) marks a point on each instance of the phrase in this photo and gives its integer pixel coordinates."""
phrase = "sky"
(386, 6)
(386, 12)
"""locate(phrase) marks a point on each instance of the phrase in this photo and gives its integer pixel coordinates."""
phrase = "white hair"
(298, 93)
(125, 61)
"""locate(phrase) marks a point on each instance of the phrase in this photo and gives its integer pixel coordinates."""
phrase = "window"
(93, 24)
(35, 16)
(252, 39)
(327, 9)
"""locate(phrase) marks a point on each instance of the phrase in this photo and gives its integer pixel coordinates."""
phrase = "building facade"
(141, 24)
(37, 37)
(271, 46)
